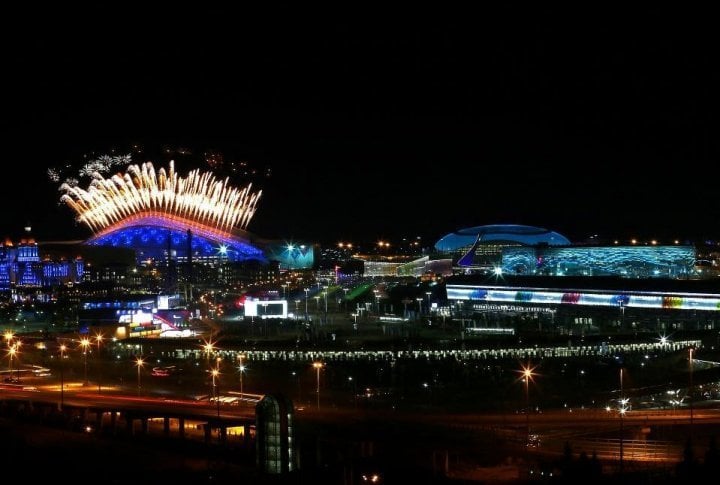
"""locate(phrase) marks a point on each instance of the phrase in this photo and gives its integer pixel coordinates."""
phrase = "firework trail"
(199, 199)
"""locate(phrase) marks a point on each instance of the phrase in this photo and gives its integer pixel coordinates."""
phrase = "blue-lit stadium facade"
(22, 267)
(623, 261)
(160, 241)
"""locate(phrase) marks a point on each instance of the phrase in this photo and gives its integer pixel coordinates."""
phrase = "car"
(12, 380)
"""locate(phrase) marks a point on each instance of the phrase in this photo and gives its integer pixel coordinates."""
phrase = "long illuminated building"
(163, 216)
(692, 295)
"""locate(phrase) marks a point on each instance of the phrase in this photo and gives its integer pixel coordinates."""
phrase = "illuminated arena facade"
(482, 246)
(622, 261)
(164, 217)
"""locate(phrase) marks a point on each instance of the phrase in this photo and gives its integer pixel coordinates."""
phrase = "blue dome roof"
(525, 235)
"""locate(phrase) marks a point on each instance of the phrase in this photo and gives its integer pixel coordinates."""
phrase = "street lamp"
(99, 338)
(354, 388)
(208, 347)
(284, 287)
(527, 375)
(318, 366)
(85, 343)
(215, 378)
(428, 293)
(690, 391)
(62, 376)
(306, 298)
(241, 368)
(621, 411)
(139, 363)
(11, 352)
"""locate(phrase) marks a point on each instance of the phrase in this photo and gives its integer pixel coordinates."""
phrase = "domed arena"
(481, 246)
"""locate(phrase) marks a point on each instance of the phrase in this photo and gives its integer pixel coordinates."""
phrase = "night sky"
(380, 129)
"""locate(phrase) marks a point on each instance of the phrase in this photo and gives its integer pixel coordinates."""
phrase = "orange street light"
(98, 339)
(85, 343)
(318, 366)
(139, 363)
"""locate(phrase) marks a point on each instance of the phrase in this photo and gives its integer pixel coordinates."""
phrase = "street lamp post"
(527, 373)
(306, 298)
(62, 376)
(216, 393)
(85, 343)
(318, 366)
(622, 419)
(99, 338)
(11, 352)
(208, 347)
(690, 392)
(354, 389)
(241, 368)
(139, 363)
(428, 293)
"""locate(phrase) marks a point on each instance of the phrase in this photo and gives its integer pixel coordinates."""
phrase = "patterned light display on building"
(674, 301)
(624, 261)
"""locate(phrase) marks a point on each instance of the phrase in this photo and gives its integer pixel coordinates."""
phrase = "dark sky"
(382, 128)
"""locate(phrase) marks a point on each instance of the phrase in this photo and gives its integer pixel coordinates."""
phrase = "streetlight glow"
(85, 343)
(526, 375)
(318, 366)
(139, 363)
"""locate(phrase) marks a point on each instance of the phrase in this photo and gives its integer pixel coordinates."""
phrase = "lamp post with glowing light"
(11, 353)
(318, 366)
(99, 338)
(62, 375)
(527, 374)
(208, 347)
(85, 343)
(621, 411)
(428, 293)
(690, 391)
(241, 368)
(139, 363)
(306, 298)
(216, 394)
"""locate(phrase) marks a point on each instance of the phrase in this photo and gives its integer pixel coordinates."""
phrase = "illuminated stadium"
(481, 246)
(163, 216)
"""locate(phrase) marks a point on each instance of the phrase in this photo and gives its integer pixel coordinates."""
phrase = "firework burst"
(199, 199)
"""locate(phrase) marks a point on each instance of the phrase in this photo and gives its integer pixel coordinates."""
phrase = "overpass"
(132, 415)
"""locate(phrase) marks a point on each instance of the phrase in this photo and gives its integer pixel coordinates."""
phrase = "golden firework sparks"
(200, 198)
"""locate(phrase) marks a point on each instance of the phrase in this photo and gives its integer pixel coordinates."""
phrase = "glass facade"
(275, 435)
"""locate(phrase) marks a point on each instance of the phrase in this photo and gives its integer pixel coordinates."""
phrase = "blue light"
(151, 242)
